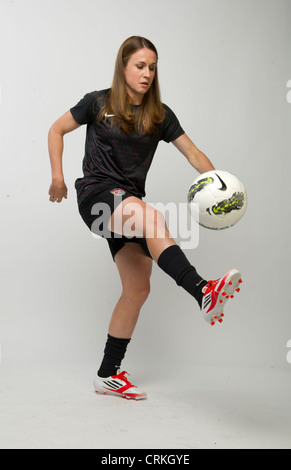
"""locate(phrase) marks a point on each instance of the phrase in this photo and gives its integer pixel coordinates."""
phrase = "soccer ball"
(222, 199)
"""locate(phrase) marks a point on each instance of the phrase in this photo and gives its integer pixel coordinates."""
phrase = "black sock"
(173, 261)
(114, 352)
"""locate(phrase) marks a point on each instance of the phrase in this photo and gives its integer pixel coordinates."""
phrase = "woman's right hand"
(57, 191)
(66, 123)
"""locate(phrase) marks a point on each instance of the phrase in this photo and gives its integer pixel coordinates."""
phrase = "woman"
(124, 126)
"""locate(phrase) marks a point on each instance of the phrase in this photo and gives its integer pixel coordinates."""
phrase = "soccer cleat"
(118, 385)
(216, 293)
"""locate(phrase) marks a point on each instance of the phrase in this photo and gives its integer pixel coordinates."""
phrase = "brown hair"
(151, 111)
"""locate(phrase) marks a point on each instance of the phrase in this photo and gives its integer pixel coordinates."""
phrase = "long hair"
(151, 111)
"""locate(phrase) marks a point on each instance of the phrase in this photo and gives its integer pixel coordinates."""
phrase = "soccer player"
(124, 126)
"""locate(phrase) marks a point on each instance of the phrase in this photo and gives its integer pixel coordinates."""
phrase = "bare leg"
(135, 217)
(134, 269)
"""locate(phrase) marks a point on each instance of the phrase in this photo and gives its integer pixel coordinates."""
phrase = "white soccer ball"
(222, 199)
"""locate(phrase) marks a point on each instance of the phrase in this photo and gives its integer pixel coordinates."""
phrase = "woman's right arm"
(66, 123)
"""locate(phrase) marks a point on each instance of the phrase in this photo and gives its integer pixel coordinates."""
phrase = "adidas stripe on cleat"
(216, 293)
(118, 385)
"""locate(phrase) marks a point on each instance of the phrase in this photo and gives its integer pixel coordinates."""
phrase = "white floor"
(55, 407)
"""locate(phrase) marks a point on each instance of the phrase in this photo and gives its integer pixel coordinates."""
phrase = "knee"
(143, 294)
(137, 294)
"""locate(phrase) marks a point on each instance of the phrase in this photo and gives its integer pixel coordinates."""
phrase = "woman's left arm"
(195, 157)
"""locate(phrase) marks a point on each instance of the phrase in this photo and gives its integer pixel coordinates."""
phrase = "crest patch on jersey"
(118, 192)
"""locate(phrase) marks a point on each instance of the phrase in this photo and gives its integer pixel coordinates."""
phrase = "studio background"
(223, 68)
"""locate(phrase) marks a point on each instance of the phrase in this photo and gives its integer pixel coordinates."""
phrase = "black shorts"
(96, 218)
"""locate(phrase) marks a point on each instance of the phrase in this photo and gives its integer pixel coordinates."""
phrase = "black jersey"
(111, 155)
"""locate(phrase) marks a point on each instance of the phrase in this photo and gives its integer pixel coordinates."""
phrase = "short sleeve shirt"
(112, 157)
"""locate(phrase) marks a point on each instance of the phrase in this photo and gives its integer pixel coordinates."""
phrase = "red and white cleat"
(118, 385)
(216, 293)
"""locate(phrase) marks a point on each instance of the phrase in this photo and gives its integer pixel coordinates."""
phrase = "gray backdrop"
(224, 69)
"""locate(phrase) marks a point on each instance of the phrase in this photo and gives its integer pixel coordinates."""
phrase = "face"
(139, 74)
